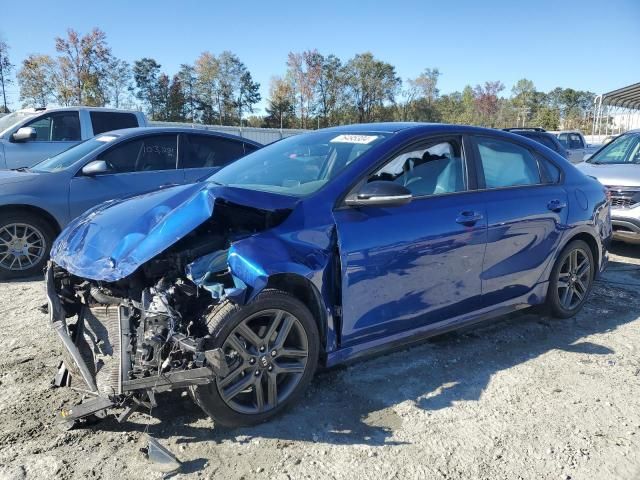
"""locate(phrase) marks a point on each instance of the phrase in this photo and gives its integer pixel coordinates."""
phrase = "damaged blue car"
(316, 250)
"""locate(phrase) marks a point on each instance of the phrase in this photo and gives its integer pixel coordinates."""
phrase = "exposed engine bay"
(147, 333)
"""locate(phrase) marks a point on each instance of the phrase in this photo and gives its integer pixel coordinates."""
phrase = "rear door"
(201, 155)
(526, 210)
(404, 267)
(55, 132)
(138, 165)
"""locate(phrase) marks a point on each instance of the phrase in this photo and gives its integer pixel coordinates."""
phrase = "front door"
(526, 212)
(136, 166)
(406, 266)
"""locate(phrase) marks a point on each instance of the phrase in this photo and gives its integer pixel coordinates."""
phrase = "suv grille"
(622, 197)
(621, 202)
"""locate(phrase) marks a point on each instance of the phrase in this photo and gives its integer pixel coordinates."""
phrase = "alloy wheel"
(574, 278)
(21, 246)
(267, 354)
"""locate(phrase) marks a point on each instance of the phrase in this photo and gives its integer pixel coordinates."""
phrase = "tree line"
(314, 91)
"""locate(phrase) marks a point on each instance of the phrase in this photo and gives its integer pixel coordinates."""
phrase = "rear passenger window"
(204, 151)
(506, 164)
(107, 121)
(552, 172)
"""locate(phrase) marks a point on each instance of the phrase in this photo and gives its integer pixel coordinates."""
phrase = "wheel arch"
(304, 290)
(589, 240)
(41, 212)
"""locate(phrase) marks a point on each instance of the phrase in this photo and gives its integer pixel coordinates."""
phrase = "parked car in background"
(540, 135)
(317, 249)
(29, 136)
(36, 203)
(617, 166)
(575, 144)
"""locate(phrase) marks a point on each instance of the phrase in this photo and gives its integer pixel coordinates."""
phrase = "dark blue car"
(317, 250)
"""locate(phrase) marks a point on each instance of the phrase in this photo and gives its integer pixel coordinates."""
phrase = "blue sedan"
(36, 203)
(317, 250)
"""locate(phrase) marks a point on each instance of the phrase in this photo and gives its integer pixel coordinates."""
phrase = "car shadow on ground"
(361, 403)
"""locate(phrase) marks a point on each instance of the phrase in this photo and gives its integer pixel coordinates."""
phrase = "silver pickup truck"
(30, 136)
(575, 144)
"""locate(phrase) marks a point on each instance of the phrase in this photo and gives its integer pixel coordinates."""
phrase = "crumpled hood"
(621, 175)
(110, 241)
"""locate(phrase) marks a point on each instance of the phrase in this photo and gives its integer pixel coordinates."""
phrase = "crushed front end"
(125, 342)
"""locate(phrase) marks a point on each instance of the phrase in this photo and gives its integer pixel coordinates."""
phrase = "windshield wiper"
(22, 169)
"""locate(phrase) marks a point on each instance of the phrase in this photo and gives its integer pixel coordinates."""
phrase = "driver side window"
(56, 127)
(153, 153)
(435, 169)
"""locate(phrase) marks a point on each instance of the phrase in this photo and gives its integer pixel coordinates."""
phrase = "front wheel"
(271, 347)
(25, 241)
(571, 280)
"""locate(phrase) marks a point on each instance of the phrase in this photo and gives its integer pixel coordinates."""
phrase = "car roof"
(76, 108)
(138, 131)
(418, 127)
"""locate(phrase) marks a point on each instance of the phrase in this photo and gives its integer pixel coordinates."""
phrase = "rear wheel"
(271, 347)
(571, 280)
(25, 241)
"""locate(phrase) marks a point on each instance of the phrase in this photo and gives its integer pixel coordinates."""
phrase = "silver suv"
(617, 166)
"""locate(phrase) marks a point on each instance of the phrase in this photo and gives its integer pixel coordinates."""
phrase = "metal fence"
(260, 135)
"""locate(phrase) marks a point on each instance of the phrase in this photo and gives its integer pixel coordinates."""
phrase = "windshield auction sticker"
(362, 139)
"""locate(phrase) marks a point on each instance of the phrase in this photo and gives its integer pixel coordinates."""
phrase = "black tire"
(555, 302)
(224, 320)
(39, 225)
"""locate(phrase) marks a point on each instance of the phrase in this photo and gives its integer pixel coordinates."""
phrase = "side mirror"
(587, 157)
(95, 167)
(24, 134)
(380, 193)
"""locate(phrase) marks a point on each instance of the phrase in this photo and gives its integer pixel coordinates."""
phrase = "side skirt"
(406, 338)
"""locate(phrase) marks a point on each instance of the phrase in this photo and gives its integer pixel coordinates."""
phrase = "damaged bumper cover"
(108, 380)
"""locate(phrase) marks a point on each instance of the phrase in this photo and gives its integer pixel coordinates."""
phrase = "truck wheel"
(571, 280)
(271, 346)
(25, 242)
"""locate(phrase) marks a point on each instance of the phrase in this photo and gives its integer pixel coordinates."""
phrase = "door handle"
(469, 217)
(556, 205)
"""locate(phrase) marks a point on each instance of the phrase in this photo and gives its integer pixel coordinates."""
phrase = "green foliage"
(146, 72)
(6, 68)
(36, 78)
(315, 91)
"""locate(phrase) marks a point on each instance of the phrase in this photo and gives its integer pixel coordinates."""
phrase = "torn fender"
(254, 259)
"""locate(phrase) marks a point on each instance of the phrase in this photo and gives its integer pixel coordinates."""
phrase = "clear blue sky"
(586, 45)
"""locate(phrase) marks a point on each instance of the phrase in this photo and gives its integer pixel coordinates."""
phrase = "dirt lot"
(525, 397)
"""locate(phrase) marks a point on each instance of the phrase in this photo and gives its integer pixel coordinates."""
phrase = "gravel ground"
(525, 397)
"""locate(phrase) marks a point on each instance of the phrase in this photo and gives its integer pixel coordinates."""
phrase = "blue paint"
(398, 273)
